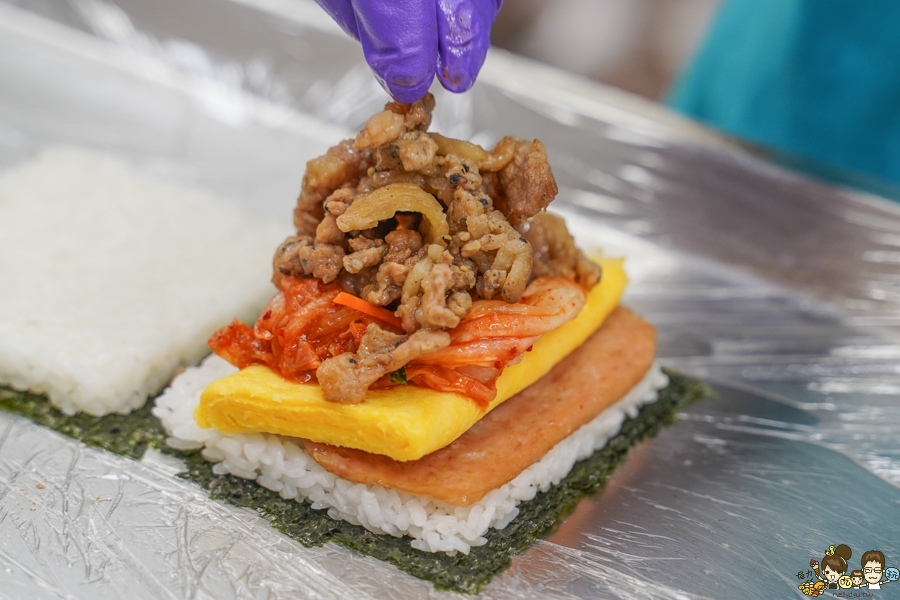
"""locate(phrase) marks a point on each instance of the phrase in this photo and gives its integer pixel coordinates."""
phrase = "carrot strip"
(368, 308)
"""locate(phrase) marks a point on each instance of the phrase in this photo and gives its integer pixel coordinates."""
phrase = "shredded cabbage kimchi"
(302, 327)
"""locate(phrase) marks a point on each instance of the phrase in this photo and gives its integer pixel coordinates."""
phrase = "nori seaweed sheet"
(132, 434)
(129, 435)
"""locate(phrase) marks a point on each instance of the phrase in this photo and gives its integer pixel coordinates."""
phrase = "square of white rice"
(112, 280)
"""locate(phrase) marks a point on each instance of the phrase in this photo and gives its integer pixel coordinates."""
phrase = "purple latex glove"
(407, 41)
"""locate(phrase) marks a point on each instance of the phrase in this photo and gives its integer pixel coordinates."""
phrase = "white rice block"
(281, 464)
(113, 280)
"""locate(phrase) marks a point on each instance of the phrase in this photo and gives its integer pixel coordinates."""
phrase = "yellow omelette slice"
(405, 422)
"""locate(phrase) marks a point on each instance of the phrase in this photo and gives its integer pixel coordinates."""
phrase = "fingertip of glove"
(407, 94)
(456, 80)
(464, 28)
(406, 79)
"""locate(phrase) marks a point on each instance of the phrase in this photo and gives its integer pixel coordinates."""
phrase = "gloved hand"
(407, 41)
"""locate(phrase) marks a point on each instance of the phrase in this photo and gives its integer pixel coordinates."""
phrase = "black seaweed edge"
(131, 435)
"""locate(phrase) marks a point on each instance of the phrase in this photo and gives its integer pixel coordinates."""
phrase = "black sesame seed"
(454, 179)
(352, 361)
(484, 202)
(466, 168)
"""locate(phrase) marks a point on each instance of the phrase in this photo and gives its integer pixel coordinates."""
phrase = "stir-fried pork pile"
(424, 226)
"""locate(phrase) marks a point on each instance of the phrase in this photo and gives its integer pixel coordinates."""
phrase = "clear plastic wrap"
(781, 291)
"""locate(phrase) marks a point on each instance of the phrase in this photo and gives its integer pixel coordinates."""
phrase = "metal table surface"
(782, 291)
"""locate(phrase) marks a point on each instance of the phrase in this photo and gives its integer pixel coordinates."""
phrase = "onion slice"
(382, 204)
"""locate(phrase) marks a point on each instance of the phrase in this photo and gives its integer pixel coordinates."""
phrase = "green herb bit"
(399, 376)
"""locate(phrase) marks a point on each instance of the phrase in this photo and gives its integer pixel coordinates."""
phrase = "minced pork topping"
(407, 244)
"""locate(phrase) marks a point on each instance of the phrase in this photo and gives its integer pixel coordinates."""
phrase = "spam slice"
(521, 431)
(406, 422)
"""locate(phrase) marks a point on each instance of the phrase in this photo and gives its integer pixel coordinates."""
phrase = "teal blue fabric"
(818, 78)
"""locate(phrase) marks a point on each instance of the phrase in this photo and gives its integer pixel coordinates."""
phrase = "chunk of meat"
(432, 310)
(416, 151)
(384, 127)
(416, 115)
(322, 261)
(528, 183)
(342, 164)
(395, 120)
(521, 430)
(388, 282)
(338, 202)
(555, 253)
(402, 243)
(300, 256)
(327, 231)
(285, 262)
(495, 247)
(361, 259)
(346, 378)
